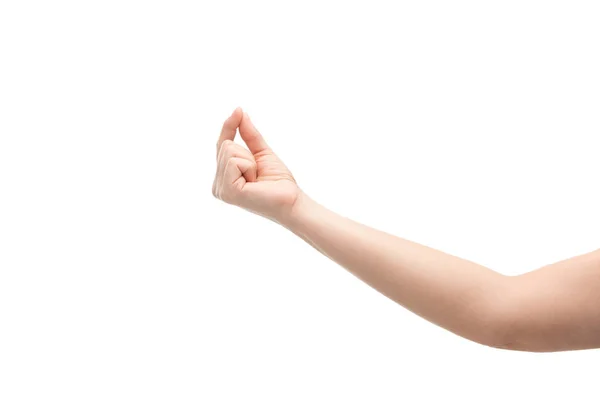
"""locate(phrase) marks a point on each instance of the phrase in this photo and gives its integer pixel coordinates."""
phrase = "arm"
(551, 309)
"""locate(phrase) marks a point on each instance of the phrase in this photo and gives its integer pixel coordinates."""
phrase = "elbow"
(510, 339)
(513, 316)
(500, 331)
(506, 344)
(499, 336)
(506, 327)
(499, 324)
(518, 334)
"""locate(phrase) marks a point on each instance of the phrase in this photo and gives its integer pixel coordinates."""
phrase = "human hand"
(253, 178)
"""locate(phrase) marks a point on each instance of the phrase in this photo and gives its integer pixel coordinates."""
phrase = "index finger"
(230, 127)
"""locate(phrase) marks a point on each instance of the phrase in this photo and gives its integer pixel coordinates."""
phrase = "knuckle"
(221, 144)
(225, 148)
(233, 161)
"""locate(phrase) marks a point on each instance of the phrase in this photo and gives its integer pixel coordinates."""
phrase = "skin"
(553, 308)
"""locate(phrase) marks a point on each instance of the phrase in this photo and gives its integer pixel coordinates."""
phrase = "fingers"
(236, 173)
(251, 136)
(230, 126)
(239, 168)
(230, 149)
(227, 177)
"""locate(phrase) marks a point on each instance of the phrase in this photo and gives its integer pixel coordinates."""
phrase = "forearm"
(453, 293)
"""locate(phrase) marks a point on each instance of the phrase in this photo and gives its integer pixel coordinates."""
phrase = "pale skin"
(553, 308)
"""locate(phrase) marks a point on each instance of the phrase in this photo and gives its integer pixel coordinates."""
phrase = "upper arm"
(554, 308)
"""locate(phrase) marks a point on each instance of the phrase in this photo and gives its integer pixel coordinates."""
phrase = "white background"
(469, 126)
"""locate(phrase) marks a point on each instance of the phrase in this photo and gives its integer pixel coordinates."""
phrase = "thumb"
(251, 136)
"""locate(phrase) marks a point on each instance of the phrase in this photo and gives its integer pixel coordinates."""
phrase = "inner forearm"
(456, 294)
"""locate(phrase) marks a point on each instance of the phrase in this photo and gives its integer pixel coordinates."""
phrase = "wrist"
(297, 212)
